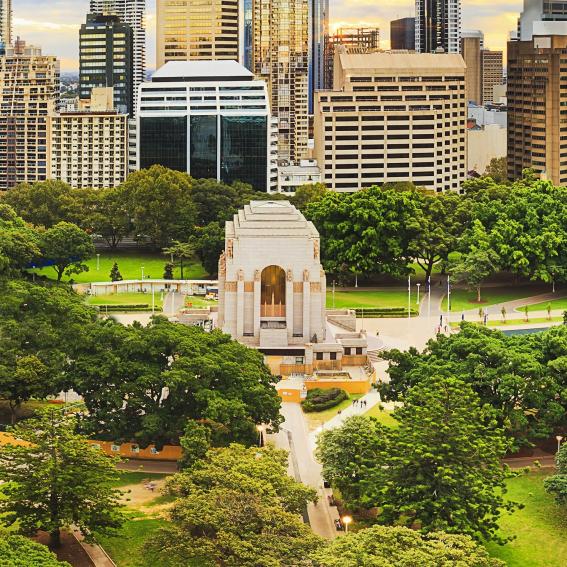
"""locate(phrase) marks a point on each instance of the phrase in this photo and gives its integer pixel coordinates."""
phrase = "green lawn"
(368, 299)
(317, 418)
(383, 416)
(196, 301)
(130, 298)
(555, 304)
(130, 266)
(134, 477)
(539, 528)
(498, 323)
(463, 300)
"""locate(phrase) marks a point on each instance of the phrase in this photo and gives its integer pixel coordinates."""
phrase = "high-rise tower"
(5, 23)
(131, 12)
(437, 26)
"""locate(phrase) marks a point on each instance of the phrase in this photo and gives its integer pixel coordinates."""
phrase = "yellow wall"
(350, 386)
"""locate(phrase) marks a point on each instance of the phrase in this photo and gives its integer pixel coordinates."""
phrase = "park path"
(173, 302)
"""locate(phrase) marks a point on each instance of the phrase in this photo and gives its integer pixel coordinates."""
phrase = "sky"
(54, 24)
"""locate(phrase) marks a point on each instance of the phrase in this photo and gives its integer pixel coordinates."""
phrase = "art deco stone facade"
(272, 286)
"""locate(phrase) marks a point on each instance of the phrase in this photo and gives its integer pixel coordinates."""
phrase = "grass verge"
(463, 300)
(316, 419)
(369, 299)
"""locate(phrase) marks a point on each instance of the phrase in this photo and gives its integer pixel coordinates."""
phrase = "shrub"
(319, 399)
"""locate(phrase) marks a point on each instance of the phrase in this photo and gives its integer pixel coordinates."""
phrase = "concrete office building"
(402, 34)
(537, 133)
(280, 54)
(437, 26)
(492, 74)
(485, 143)
(319, 26)
(132, 13)
(356, 40)
(393, 117)
(106, 59)
(89, 148)
(5, 24)
(29, 94)
(472, 43)
(541, 16)
(190, 30)
(208, 118)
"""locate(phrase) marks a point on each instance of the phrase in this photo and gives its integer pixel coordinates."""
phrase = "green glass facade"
(244, 150)
(203, 153)
(163, 141)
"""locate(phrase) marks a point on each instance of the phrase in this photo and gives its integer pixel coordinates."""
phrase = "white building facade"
(210, 119)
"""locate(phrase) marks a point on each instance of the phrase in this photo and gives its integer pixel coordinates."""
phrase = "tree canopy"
(402, 547)
(557, 483)
(438, 470)
(238, 507)
(20, 551)
(55, 479)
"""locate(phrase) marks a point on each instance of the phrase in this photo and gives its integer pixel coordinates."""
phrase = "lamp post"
(346, 521)
(409, 297)
(142, 272)
(333, 294)
(559, 439)
(418, 286)
(97, 262)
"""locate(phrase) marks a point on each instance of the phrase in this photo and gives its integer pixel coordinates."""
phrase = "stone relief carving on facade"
(222, 264)
(305, 275)
(230, 248)
(289, 276)
(316, 249)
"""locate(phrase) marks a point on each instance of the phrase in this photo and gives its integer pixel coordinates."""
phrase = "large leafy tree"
(440, 469)
(557, 483)
(238, 507)
(20, 551)
(308, 193)
(45, 203)
(144, 383)
(182, 251)
(369, 231)
(523, 377)
(19, 243)
(66, 247)
(209, 245)
(55, 479)
(159, 203)
(402, 547)
(38, 327)
(109, 216)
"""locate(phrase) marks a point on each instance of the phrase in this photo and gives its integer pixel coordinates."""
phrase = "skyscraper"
(106, 59)
(29, 94)
(437, 26)
(356, 40)
(133, 13)
(402, 34)
(5, 23)
(471, 47)
(200, 29)
(280, 54)
(319, 26)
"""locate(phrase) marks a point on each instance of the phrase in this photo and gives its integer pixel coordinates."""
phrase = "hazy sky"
(54, 24)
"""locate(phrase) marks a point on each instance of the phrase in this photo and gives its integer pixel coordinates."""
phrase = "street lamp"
(559, 439)
(97, 262)
(418, 285)
(142, 272)
(346, 521)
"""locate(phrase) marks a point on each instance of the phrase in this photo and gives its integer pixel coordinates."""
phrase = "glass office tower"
(208, 118)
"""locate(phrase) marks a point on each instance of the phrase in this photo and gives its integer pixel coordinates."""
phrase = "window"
(319, 356)
(203, 162)
(135, 449)
(163, 141)
(358, 350)
(115, 448)
(298, 360)
(333, 356)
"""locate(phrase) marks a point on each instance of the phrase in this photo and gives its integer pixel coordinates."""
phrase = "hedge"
(319, 399)
(126, 307)
(379, 312)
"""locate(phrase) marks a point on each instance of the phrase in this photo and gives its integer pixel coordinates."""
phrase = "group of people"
(362, 403)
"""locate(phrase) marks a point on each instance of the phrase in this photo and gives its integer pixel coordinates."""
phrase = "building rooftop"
(202, 71)
(385, 62)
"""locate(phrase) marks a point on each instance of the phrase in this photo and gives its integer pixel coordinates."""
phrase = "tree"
(19, 551)
(142, 384)
(442, 219)
(478, 263)
(347, 453)
(110, 218)
(308, 193)
(56, 479)
(238, 507)
(440, 469)
(18, 243)
(66, 247)
(209, 245)
(115, 274)
(182, 251)
(497, 170)
(196, 441)
(369, 231)
(45, 203)
(402, 547)
(168, 271)
(522, 377)
(557, 484)
(39, 325)
(158, 201)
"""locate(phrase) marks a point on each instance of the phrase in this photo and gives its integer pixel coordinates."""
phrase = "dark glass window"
(163, 141)
(244, 150)
(203, 139)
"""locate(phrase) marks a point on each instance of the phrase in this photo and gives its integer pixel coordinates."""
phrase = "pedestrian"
(354, 402)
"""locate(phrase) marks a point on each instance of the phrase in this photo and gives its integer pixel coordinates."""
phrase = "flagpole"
(429, 297)
(409, 297)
